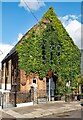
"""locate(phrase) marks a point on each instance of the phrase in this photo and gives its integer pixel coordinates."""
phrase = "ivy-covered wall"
(38, 51)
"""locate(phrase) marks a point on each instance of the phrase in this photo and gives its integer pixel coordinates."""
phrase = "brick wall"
(27, 81)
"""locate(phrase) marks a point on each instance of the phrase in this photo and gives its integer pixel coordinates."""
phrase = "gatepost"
(34, 93)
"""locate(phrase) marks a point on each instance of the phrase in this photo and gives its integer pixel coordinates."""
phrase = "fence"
(21, 97)
(10, 99)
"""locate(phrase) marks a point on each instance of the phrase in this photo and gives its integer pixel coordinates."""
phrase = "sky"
(16, 19)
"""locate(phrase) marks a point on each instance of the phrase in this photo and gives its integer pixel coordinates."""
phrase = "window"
(35, 80)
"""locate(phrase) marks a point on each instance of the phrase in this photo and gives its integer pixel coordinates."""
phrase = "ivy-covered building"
(36, 54)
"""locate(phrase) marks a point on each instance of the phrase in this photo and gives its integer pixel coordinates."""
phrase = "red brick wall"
(26, 81)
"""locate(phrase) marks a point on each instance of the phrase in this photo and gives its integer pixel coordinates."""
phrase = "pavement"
(40, 110)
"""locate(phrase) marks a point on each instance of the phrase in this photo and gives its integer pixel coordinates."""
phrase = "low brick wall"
(21, 97)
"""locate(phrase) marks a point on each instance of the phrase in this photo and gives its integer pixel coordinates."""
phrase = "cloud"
(73, 27)
(31, 4)
(5, 48)
(74, 17)
(68, 18)
(20, 35)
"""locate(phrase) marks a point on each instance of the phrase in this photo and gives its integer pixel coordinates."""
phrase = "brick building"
(11, 75)
(14, 79)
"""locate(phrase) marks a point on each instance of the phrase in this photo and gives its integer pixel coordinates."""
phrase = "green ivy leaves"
(34, 59)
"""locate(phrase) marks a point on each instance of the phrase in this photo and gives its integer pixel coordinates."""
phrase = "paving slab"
(29, 115)
(14, 114)
(5, 115)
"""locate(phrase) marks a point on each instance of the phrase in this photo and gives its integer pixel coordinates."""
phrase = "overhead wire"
(1, 52)
(31, 11)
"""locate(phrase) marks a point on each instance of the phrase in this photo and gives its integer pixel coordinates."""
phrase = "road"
(71, 114)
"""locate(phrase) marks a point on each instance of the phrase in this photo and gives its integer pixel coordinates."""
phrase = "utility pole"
(49, 88)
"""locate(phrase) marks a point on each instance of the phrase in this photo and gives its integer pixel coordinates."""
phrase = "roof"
(12, 51)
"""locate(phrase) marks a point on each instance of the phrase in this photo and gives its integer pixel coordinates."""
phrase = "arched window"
(35, 80)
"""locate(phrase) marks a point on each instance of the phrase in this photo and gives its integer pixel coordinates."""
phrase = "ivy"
(38, 51)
